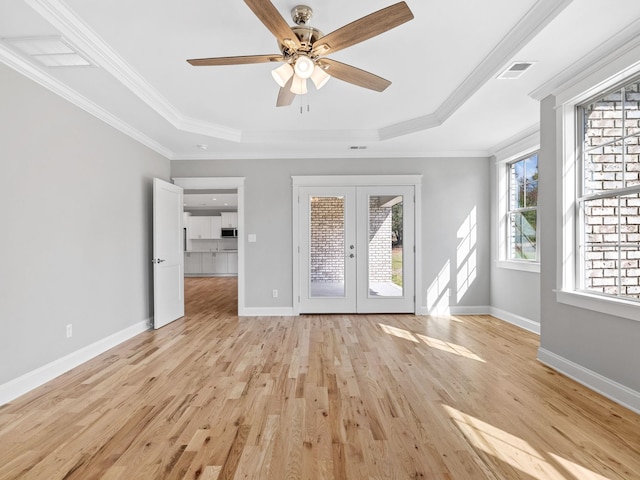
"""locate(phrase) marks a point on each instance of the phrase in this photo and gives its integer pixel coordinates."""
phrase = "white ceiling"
(218, 201)
(445, 98)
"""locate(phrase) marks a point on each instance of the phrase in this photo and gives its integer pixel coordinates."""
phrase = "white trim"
(58, 14)
(268, 312)
(538, 17)
(414, 181)
(205, 183)
(517, 320)
(474, 310)
(523, 266)
(35, 74)
(27, 382)
(609, 54)
(604, 386)
(521, 145)
(354, 180)
(618, 307)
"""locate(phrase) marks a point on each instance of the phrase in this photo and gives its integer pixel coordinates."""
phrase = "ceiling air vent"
(516, 70)
(49, 51)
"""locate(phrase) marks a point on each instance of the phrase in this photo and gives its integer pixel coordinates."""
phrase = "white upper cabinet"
(229, 219)
(200, 228)
(216, 224)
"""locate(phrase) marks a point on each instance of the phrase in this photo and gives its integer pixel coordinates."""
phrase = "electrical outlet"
(69, 331)
(274, 293)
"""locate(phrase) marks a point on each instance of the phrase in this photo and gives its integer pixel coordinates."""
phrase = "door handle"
(157, 260)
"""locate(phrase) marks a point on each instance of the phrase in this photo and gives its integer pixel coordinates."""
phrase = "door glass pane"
(327, 236)
(385, 246)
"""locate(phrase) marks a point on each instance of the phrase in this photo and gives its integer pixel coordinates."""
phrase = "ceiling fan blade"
(241, 60)
(354, 75)
(285, 95)
(363, 29)
(269, 15)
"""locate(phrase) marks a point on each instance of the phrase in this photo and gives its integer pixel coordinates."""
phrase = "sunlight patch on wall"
(438, 292)
(466, 254)
(449, 347)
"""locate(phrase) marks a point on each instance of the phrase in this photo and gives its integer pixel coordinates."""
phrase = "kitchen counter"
(210, 262)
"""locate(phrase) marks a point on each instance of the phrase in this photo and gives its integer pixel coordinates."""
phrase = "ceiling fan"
(304, 48)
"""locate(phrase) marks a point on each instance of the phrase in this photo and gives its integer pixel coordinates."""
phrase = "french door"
(356, 249)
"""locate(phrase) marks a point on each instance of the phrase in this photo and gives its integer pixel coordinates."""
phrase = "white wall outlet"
(274, 293)
(69, 331)
(251, 238)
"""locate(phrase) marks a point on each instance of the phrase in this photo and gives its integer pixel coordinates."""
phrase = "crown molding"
(539, 16)
(616, 47)
(71, 26)
(20, 65)
(325, 155)
(524, 142)
(58, 14)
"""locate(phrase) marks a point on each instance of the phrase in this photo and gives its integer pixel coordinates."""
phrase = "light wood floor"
(213, 396)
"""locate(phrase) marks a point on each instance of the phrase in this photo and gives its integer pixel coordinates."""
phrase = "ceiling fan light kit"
(302, 52)
(282, 74)
(319, 77)
(299, 85)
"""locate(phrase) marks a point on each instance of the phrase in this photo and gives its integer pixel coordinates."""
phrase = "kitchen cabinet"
(192, 263)
(229, 219)
(216, 224)
(232, 262)
(210, 263)
(204, 228)
(199, 228)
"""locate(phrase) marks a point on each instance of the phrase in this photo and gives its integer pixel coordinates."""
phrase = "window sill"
(523, 266)
(611, 306)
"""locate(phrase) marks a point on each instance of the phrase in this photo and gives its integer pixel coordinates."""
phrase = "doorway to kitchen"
(355, 243)
(221, 248)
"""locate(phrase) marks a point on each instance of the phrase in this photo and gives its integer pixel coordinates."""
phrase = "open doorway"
(214, 235)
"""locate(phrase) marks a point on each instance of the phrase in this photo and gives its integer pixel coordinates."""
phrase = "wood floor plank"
(214, 396)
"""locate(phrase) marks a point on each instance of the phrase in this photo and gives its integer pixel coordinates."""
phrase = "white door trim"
(356, 180)
(223, 183)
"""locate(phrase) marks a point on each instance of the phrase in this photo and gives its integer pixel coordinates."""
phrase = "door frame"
(356, 181)
(225, 183)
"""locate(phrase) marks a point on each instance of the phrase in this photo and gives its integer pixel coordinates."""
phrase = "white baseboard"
(267, 312)
(613, 390)
(516, 320)
(27, 382)
(448, 310)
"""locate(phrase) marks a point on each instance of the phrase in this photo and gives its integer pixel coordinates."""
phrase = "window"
(608, 193)
(522, 210)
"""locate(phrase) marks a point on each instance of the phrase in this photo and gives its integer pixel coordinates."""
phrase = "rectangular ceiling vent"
(50, 51)
(516, 70)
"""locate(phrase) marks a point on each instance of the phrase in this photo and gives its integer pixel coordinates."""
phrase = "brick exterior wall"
(612, 225)
(327, 240)
(380, 247)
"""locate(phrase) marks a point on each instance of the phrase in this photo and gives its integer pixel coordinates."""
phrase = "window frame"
(583, 197)
(568, 174)
(503, 168)
(511, 187)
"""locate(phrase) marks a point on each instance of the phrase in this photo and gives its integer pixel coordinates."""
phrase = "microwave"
(229, 233)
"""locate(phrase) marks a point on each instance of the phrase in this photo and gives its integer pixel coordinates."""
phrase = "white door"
(168, 253)
(356, 249)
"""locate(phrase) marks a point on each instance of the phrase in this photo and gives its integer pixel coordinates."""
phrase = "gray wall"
(75, 206)
(516, 292)
(604, 344)
(451, 189)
